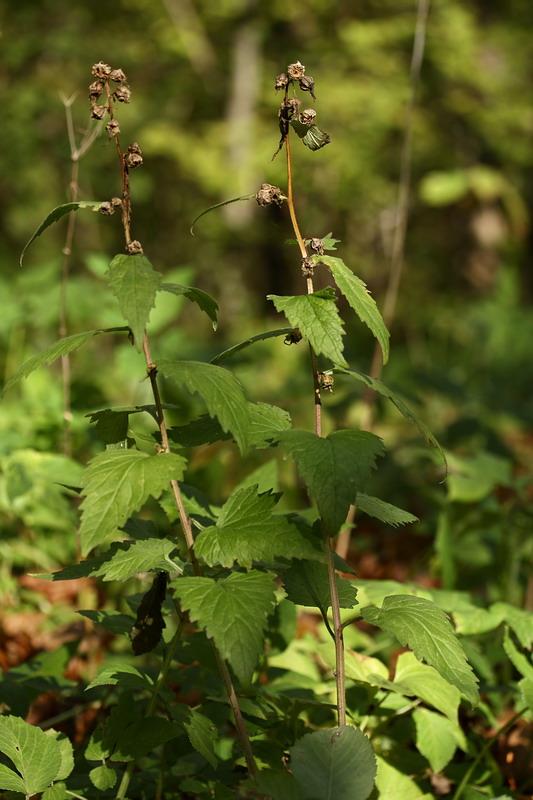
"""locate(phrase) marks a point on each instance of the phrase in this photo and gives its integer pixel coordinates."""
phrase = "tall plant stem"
(151, 369)
(340, 681)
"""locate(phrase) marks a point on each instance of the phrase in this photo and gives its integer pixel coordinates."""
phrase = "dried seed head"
(122, 94)
(107, 208)
(134, 248)
(282, 81)
(307, 116)
(326, 381)
(268, 194)
(133, 156)
(98, 112)
(307, 84)
(117, 75)
(293, 337)
(318, 246)
(95, 90)
(289, 108)
(101, 70)
(296, 71)
(113, 128)
(308, 266)
(116, 201)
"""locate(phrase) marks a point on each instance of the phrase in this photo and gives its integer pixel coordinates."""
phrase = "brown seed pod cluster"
(133, 156)
(109, 206)
(105, 74)
(296, 74)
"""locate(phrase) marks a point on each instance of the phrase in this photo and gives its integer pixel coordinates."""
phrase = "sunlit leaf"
(134, 283)
(56, 215)
(385, 512)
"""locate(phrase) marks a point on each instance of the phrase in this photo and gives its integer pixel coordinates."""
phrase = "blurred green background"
(204, 111)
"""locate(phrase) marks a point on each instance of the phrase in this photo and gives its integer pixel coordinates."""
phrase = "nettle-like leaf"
(306, 584)
(36, 757)
(111, 424)
(117, 483)
(135, 283)
(200, 731)
(436, 737)
(359, 298)
(334, 468)
(385, 512)
(413, 678)
(317, 317)
(202, 299)
(248, 531)
(103, 777)
(402, 407)
(113, 621)
(335, 763)
(222, 392)
(125, 675)
(61, 348)
(260, 337)
(419, 624)
(56, 215)
(393, 783)
(233, 612)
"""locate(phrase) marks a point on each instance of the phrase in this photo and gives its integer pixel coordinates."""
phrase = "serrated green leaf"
(56, 215)
(112, 621)
(419, 624)
(66, 752)
(221, 391)
(526, 691)
(385, 512)
(395, 785)
(402, 407)
(103, 777)
(204, 430)
(58, 791)
(336, 763)
(36, 756)
(135, 283)
(265, 421)
(420, 680)
(436, 737)
(61, 348)
(233, 612)
(247, 342)
(334, 468)
(126, 675)
(130, 558)
(141, 736)
(200, 730)
(278, 784)
(359, 298)
(203, 300)
(520, 661)
(518, 619)
(117, 483)
(306, 584)
(247, 530)
(317, 317)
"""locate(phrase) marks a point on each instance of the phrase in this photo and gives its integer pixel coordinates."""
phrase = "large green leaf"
(260, 337)
(117, 483)
(436, 737)
(307, 584)
(135, 283)
(203, 300)
(419, 624)
(56, 215)
(247, 531)
(334, 764)
(221, 391)
(129, 558)
(402, 407)
(60, 348)
(334, 468)
(233, 612)
(385, 512)
(36, 756)
(395, 785)
(317, 317)
(423, 681)
(359, 298)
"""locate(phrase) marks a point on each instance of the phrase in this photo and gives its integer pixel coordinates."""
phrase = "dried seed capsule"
(116, 201)
(296, 71)
(307, 84)
(122, 94)
(307, 116)
(117, 75)
(98, 112)
(308, 267)
(318, 246)
(107, 208)
(95, 90)
(134, 248)
(101, 70)
(133, 156)
(282, 81)
(268, 194)
(326, 381)
(113, 128)
(293, 337)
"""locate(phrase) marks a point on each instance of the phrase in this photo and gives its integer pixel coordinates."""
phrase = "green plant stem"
(340, 679)
(486, 747)
(161, 680)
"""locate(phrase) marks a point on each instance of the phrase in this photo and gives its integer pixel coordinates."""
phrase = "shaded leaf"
(56, 215)
(117, 483)
(221, 391)
(385, 512)
(334, 468)
(247, 342)
(311, 135)
(233, 612)
(317, 317)
(203, 300)
(134, 283)
(112, 621)
(103, 777)
(336, 763)
(419, 624)
(149, 623)
(200, 730)
(60, 348)
(359, 298)
(306, 584)
(126, 675)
